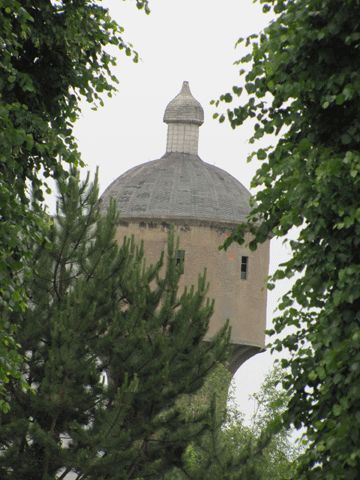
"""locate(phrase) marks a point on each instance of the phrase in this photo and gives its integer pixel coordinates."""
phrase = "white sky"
(181, 40)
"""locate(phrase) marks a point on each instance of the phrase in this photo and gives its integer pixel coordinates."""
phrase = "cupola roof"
(184, 108)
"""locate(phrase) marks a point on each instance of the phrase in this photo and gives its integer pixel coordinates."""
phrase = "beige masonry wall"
(243, 302)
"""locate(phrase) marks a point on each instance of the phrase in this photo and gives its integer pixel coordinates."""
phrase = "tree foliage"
(234, 449)
(109, 345)
(303, 85)
(53, 54)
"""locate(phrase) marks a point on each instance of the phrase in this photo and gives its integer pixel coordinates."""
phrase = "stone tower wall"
(243, 302)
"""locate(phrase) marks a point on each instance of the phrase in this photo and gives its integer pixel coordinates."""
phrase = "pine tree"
(109, 346)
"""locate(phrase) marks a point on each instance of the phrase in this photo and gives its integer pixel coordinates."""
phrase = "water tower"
(203, 203)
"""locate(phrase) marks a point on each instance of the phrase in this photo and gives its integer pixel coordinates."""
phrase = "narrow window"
(180, 259)
(244, 268)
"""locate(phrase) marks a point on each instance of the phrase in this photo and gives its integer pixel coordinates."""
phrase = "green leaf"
(261, 154)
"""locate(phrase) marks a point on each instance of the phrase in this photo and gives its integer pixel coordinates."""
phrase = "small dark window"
(180, 259)
(244, 268)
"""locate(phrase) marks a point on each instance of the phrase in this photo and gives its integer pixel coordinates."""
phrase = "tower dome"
(180, 186)
(202, 203)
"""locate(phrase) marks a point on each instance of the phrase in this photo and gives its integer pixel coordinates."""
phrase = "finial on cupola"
(184, 115)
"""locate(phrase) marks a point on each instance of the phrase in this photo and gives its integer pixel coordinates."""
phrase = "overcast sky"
(180, 40)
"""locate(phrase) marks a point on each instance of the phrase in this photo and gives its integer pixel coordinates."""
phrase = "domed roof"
(184, 108)
(179, 186)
